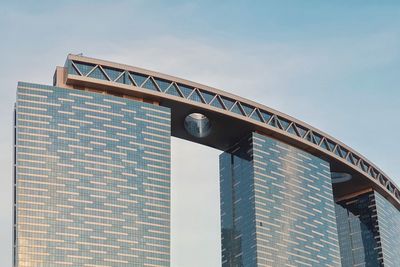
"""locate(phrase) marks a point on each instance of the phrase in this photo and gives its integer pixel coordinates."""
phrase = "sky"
(332, 64)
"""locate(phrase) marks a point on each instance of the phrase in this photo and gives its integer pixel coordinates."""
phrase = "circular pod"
(197, 125)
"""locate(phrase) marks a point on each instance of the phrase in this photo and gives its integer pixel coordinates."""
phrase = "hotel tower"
(92, 180)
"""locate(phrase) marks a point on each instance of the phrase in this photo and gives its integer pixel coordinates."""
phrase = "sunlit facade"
(92, 181)
(92, 176)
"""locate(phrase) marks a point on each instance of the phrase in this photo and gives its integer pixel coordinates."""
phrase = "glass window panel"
(149, 84)
(73, 70)
(124, 78)
(195, 96)
(217, 103)
(291, 130)
(337, 151)
(267, 116)
(112, 73)
(185, 90)
(163, 84)
(285, 123)
(364, 166)
(343, 151)
(97, 74)
(331, 145)
(324, 145)
(309, 137)
(138, 78)
(302, 131)
(317, 138)
(256, 116)
(236, 109)
(207, 96)
(247, 109)
(173, 90)
(84, 68)
(273, 122)
(228, 102)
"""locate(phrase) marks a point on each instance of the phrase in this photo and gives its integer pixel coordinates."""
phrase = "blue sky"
(335, 65)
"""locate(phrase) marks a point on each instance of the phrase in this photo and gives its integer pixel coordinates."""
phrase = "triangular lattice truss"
(228, 104)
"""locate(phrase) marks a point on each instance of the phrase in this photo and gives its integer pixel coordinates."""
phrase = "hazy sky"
(333, 64)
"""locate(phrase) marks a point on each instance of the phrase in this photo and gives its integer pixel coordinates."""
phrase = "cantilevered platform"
(231, 118)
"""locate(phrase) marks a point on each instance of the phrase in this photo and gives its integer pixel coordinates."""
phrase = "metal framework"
(172, 86)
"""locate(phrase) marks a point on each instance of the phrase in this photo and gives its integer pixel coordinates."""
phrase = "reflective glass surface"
(369, 231)
(358, 231)
(92, 179)
(389, 229)
(277, 206)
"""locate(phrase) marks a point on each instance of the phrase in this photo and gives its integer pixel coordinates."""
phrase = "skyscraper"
(92, 181)
(277, 206)
(92, 176)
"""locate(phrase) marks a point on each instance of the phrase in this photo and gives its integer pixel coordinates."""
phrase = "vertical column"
(237, 206)
(389, 230)
(358, 231)
(288, 209)
(369, 230)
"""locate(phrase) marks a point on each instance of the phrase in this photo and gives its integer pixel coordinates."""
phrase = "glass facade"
(277, 206)
(92, 179)
(369, 231)
(237, 206)
(389, 230)
(358, 230)
(92, 182)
